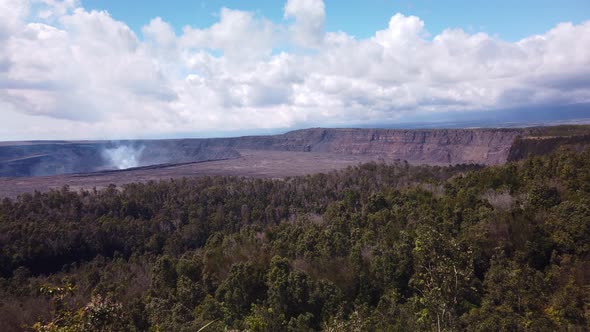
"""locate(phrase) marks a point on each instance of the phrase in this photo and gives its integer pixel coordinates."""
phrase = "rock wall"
(440, 146)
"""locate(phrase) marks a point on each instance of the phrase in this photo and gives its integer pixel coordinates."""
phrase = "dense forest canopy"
(372, 248)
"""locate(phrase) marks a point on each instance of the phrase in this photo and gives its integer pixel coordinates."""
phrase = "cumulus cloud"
(238, 34)
(73, 72)
(309, 16)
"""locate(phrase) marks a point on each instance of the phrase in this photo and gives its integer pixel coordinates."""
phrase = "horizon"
(416, 127)
(104, 70)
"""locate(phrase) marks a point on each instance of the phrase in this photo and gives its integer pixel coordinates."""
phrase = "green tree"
(443, 279)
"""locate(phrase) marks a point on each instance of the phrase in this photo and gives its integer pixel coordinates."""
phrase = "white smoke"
(124, 156)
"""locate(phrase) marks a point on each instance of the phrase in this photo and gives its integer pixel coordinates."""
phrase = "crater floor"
(257, 164)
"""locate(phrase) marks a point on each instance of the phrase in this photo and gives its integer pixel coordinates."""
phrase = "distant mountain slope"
(420, 146)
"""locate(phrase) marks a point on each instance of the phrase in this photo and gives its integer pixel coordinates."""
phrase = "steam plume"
(124, 156)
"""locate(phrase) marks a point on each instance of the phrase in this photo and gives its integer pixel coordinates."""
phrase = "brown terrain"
(257, 164)
(30, 166)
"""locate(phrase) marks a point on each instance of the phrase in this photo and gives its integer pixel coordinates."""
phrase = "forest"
(375, 247)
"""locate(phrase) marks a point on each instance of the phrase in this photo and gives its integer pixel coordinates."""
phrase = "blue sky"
(103, 69)
(508, 19)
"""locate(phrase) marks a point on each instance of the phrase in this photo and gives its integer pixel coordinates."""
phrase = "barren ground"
(257, 164)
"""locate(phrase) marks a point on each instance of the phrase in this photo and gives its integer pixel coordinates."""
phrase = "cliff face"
(437, 146)
(525, 147)
(442, 146)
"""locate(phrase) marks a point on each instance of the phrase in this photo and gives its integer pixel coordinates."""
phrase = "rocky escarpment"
(442, 146)
(437, 146)
(525, 147)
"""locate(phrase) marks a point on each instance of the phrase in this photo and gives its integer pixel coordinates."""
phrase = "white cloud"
(12, 12)
(238, 34)
(160, 32)
(309, 15)
(51, 9)
(71, 72)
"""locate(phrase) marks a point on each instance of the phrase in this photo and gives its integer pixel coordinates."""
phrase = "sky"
(111, 69)
(510, 20)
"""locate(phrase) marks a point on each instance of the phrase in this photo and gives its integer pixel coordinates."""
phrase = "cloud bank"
(71, 72)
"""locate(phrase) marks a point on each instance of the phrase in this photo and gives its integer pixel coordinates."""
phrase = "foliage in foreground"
(374, 247)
